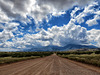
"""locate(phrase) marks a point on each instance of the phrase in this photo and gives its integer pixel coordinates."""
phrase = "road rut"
(51, 65)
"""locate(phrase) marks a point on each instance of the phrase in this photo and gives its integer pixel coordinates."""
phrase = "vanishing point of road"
(50, 65)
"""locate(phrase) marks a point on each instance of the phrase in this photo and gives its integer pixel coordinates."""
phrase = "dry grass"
(6, 60)
(93, 59)
(10, 57)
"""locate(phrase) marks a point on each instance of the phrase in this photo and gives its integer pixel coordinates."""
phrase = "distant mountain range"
(65, 48)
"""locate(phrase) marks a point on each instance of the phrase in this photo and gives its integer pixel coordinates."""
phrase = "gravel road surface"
(51, 65)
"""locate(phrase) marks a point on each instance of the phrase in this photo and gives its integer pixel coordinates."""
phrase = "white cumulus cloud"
(94, 35)
(55, 36)
(40, 9)
(93, 21)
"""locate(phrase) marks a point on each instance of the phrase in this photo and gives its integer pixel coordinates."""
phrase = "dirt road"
(51, 65)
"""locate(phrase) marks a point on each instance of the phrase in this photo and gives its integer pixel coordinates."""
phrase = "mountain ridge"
(65, 48)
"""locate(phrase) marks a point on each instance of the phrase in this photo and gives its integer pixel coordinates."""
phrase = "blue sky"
(30, 24)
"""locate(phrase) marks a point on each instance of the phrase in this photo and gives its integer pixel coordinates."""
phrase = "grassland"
(6, 60)
(10, 57)
(88, 57)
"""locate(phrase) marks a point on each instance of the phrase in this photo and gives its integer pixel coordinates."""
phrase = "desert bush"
(24, 54)
(83, 56)
(4, 54)
(97, 52)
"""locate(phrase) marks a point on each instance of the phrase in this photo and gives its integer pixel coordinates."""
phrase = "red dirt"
(51, 65)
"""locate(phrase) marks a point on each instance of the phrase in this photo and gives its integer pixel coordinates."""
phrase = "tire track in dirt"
(51, 65)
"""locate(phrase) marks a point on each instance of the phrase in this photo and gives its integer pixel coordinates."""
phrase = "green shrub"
(97, 52)
(88, 57)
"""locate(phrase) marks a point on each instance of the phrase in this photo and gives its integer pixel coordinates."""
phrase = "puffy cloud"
(8, 30)
(38, 9)
(40, 12)
(55, 36)
(93, 21)
(91, 9)
(94, 35)
(66, 34)
(5, 35)
(16, 8)
(63, 4)
(59, 13)
(11, 26)
(74, 11)
(79, 18)
(3, 17)
(1, 26)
